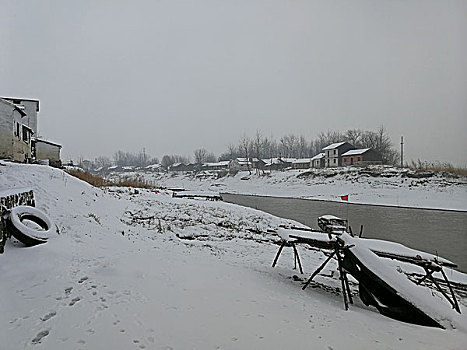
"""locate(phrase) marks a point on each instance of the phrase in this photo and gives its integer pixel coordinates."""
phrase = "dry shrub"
(137, 182)
(95, 180)
(438, 167)
(99, 181)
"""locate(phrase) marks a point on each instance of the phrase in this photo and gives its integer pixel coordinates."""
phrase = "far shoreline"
(343, 203)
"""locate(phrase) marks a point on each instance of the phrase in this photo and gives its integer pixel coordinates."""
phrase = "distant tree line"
(259, 146)
(120, 158)
(293, 146)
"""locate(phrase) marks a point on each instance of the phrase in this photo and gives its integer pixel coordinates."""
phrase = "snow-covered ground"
(148, 271)
(376, 185)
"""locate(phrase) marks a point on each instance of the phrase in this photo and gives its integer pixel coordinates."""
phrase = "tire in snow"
(29, 236)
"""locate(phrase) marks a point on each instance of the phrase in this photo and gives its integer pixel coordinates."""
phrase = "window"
(25, 134)
(358, 158)
(334, 160)
(17, 130)
(335, 151)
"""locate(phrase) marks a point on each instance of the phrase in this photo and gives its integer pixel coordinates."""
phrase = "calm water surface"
(435, 231)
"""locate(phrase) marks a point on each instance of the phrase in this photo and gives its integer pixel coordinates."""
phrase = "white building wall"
(30, 108)
(6, 130)
(12, 145)
(47, 151)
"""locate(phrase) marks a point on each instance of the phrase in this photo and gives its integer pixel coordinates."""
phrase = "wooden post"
(341, 275)
(297, 258)
(456, 305)
(278, 253)
(361, 232)
(318, 270)
(348, 287)
(453, 303)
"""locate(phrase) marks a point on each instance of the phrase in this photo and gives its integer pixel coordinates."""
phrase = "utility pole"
(402, 151)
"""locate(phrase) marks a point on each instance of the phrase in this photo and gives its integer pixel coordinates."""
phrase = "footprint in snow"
(38, 338)
(85, 278)
(74, 301)
(48, 316)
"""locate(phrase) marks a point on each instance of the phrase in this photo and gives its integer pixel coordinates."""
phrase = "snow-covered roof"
(15, 106)
(272, 161)
(318, 156)
(153, 166)
(247, 159)
(354, 152)
(333, 146)
(301, 161)
(48, 142)
(223, 163)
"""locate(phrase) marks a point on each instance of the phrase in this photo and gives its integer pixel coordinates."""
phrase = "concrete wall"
(31, 107)
(12, 145)
(6, 130)
(48, 151)
(21, 149)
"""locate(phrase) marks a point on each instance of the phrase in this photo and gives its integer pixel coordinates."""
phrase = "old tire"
(29, 236)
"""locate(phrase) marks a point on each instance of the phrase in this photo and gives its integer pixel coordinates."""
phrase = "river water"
(434, 231)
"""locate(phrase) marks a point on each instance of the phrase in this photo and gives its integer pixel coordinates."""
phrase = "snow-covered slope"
(147, 271)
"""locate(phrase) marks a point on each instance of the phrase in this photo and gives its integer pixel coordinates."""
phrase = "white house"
(18, 123)
(15, 133)
(333, 153)
(239, 164)
(318, 161)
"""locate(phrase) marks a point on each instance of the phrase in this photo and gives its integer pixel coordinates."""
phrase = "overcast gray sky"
(172, 76)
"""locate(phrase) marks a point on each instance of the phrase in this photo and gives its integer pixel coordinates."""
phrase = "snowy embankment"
(148, 271)
(376, 185)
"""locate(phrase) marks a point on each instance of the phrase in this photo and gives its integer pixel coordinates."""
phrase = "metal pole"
(402, 151)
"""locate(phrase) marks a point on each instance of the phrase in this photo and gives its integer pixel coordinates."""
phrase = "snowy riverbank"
(377, 185)
(148, 271)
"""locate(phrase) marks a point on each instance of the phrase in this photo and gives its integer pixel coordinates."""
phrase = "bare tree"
(200, 155)
(102, 162)
(353, 136)
(245, 145)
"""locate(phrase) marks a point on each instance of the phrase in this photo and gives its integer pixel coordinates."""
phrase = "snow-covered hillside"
(147, 271)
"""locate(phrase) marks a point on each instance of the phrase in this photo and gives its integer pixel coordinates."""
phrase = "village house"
(318, 161)
(365, 156)
(46, 150)
(181, 167)
(15, 132)
(301, 163)
(333, 153)
(275, 164)
(224, 165)
(19, 139)
(240, 164)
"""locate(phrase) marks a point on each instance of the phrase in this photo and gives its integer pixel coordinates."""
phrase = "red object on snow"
(345, 198)
(155, 192)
